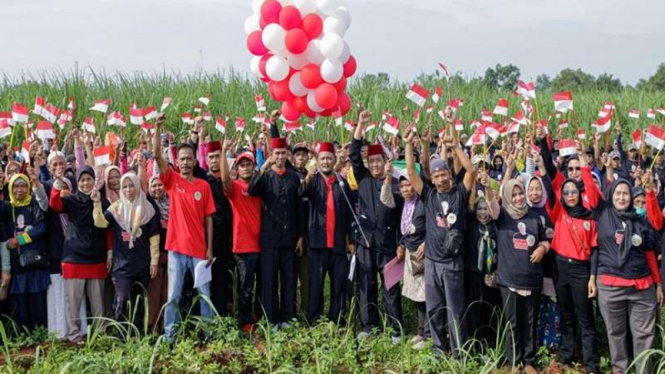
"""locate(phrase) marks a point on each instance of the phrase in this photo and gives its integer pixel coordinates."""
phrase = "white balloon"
(311, 101)
(313, 52)
(297, 61)
(346, 53)
(333, 25)
(273, 37)
(328, 6)
(256, 6)
(254, 66)
(331, 46)
(296, 87)
(252, 24)
(343, 14)
(305, 6)
(277, 68)
(286, 2)
(332, 71)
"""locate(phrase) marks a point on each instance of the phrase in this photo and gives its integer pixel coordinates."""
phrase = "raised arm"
(592, 193)
(157, 146)
(414, 177)
(224, 169)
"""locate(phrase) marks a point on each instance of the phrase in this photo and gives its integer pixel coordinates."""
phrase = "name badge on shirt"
(197, 196)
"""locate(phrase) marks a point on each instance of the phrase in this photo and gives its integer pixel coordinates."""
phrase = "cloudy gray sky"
(400, 37)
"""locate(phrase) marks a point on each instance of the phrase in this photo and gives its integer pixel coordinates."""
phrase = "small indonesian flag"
(148, 127)
(661, 111)
(567, 147)
(337, 115)
(150, 113)
(20, 113)
(116, 119)
(70, 103)
(259, 118)
(39, 106)
(197, 109)
(527, 107)
(260, 103)
(430, 109)
(205, 100)
(89, 125)
(165, 103)
(370, 127)
(478, 137)
(101, 105)
(486, 115)
(416, 116)
(349, 126)
(563, 101)
(50, 112)
(207, 116)
(186, 118)
(6, 116)
(603, 112)
(311, 124)
(45, 130)
(5, 128)
(292, 126)
(563, 125)
(527, 90)
(603, 124)
(656, 137)
(445, 70)
(65, 116)
(609, 105)
(651, 113)
(459, 125)
(495, 130)
(418, 95)
(637, 138)
(25, 151)
(581, 134)
(634, 113)
(240, 124)
(520, 118)
(513, 127)
(102, 155)
(501, 108)
(220, 125)
(385, 115)
(437, 94)
(391, 126)
(454, 105)
(136, 116)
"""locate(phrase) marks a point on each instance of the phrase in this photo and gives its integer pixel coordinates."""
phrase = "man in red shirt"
(246, 229)
(189, 233)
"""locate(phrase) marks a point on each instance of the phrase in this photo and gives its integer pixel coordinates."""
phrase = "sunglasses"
(571, 192)
(574, 168)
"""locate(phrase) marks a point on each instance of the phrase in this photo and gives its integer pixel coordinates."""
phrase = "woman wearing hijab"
(522, 244)
(84, 255)
(111, 188)
(26, 227)
(627, 277)
(158, 286)
(11, 169)
(136, 242)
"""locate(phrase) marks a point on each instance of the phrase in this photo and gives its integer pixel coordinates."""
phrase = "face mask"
(642, 212)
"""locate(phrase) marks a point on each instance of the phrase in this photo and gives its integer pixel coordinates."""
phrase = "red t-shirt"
(191, 203)
(246, 218)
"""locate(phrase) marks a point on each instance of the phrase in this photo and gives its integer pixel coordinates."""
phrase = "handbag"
(32, 259)
(417, 266)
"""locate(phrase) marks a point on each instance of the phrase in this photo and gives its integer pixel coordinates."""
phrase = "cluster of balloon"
(299, 51)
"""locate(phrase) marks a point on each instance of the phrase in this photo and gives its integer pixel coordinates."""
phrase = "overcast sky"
(400, 37)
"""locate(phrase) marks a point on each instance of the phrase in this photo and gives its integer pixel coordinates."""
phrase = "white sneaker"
(275, 328)
(420, 345)
(362, 335)
(416, 339)
(396, 339)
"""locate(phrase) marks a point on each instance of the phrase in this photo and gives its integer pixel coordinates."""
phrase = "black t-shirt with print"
(444, 213)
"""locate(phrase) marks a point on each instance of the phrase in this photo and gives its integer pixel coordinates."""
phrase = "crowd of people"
(510, 225)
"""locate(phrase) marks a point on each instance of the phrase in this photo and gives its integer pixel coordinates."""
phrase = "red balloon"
(262, 64)
(265, 79)
(296, 41)
(310, 114)
(300, 103)
(340, 85)
(271, 87)
(326, 96)
(311, 76)
(262, 23)
(255, 44)
(289, 17)
(343, 103)
(312, 25)
(270, 11)
(282, 91)
(290, 112)
(350, 67)
(326, 113)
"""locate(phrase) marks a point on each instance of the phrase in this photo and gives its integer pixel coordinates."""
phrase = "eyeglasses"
(571, 192)
(570, 168)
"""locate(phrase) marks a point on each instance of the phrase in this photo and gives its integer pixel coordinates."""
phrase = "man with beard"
(329, 227)
(280, 233)
(379, 224)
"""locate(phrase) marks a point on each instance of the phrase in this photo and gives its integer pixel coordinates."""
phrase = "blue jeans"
(178, 265)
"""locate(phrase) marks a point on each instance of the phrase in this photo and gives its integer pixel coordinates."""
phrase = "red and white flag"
(567, 147)
(603, 124)
(459, 125)
(45, 130)
(416, 116)
(661, 111)
(501, 107)
(65, 116)
(186, 118)
(259, 118)
(634, 113)
(563, 101)
(604, 112)
(101, 105)
(148, 127)
(370, 127)
(292, 126)
(609, 105)
(581, 134)
(50, 112)
(220, 125)
(207, 116)
(527, 108)
(349, 126)
(437, 94)
(513, 127)
(385, 115)
(391, 126)
(656, 137)
(445, 70)
(418, 95)
(89, 125)
(70, 103)
(260, 103)
(311, 124)
(5, 128)
(563, 124)
(6, 116)
(240, 124)
(205, 100)
(478, 137)
(116, 119)
(495, 130)
(637, 138)
(136, 116)
(20, 113)
(454, 105)
(520, 118)
(430, 109)
(651, 114)
(39, 106)
(165, 103)
(197, 109)
(25, 151)
(486, 115)
(337, 115)
(102, 155)
(527, 90)
(150, 113)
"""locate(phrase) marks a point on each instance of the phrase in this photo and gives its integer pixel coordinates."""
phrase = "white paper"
(202, 273)
(352, 268)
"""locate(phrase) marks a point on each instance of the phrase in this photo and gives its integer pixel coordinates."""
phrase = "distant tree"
(543, 82)
(569, 79)
(654, 83)
(502, 77)
(607, 82)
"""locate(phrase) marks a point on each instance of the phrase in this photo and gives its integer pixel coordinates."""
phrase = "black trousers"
(126, 291)
(571, 285)
(369, 267)
(521, 316)
(322, 261)
(247, 264)
(484, 304)
(29, 309)
(278, 267)
(221, 286)
(423, 321)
